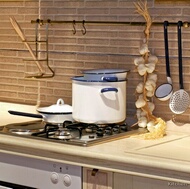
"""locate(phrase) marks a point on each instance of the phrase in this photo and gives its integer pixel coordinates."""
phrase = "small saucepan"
(56, 114)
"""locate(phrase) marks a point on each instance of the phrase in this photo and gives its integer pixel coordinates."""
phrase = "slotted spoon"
(180, 100)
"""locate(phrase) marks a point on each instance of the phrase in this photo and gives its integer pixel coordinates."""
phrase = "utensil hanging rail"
(185, 24)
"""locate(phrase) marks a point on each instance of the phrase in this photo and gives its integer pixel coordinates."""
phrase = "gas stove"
(81, 134)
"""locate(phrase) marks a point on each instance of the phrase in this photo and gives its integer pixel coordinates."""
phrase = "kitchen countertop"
(133, 155)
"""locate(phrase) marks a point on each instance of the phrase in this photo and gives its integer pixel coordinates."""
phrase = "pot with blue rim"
(99, 102)
(108, 75)
(55, 114)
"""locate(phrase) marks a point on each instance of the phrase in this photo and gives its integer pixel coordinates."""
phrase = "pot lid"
(105, 71)
(59, 108)
(82, 79)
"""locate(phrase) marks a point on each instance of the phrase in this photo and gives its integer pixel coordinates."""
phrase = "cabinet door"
(123, 181)
(96, 179)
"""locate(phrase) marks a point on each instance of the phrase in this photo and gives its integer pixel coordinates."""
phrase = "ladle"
(164, 91)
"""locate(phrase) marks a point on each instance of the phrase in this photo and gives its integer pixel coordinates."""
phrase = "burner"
(62, 134)
(21, 131)
(24, 128)
(66, 131)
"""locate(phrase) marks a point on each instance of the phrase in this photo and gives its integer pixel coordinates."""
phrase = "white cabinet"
(97, 179)
(123, 181)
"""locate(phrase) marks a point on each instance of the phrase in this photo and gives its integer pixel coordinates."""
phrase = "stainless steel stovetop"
(80, 134)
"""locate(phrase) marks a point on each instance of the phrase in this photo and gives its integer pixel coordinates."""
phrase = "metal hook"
(84, 29)
(74, 29)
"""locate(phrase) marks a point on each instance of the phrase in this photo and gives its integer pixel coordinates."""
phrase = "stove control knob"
(54, 178)
(67, 180)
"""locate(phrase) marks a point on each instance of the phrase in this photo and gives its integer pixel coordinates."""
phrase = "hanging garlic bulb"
(140, 102)
(139, 60)
(144, 49)
(140, 113)
(150, 67)
(153, 77)
(153, 59)
(141, 68)
(139, 88)
(150, 85)
(151, 106)
(150, 94)
(142, 122)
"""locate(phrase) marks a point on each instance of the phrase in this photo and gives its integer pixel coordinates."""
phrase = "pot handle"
(60, 101)
(111, 79)
(109, 90)
(25, 114)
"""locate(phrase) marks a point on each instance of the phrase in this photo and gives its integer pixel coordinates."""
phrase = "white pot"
(98, 102)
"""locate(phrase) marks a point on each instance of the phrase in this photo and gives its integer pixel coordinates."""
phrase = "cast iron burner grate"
(69, 130)
(81, 134)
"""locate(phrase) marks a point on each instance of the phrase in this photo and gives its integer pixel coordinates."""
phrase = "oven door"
(6, 185)
(18, 172)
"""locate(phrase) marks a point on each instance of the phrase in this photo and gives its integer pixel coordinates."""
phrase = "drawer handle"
(94, 171)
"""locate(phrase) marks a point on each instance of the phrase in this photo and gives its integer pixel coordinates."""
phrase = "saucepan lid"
(59, 108)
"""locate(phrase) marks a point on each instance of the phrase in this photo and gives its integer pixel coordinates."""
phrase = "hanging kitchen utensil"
(164, 91)
(47, 67)
(180, 100)
(23, 38)
(57, 113)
